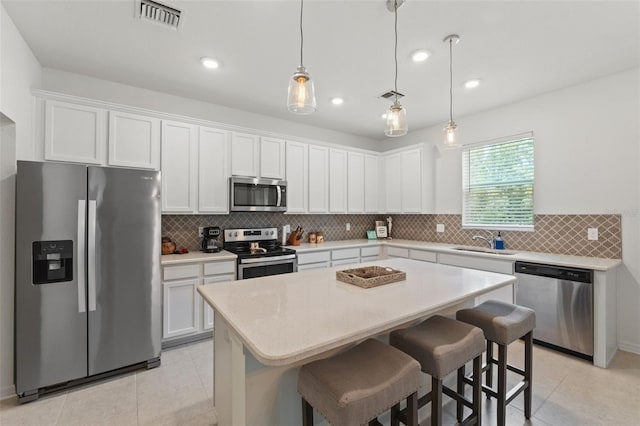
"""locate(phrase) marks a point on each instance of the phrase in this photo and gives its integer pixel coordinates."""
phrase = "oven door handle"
(269, 260)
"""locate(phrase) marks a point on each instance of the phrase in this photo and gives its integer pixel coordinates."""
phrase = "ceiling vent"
(391, 94)
(159, 13)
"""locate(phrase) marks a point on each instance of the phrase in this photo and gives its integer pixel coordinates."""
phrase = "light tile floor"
(566, 391)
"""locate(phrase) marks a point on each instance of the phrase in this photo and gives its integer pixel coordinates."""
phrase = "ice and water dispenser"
(52, 261)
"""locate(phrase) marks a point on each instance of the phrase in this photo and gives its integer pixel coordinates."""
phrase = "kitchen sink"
(486, 250)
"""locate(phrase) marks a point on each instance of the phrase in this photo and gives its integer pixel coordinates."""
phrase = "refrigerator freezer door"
(51, 322)
(124, 287)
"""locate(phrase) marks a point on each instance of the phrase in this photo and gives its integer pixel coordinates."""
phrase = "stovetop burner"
(254, 242)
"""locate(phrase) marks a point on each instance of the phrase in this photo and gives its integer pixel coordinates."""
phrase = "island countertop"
(282, 319)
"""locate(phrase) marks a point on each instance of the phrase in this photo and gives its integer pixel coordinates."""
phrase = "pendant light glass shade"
(396, 121)
(302, 98)
(451, 135)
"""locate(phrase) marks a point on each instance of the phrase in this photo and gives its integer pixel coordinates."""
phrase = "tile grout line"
(135, 385)
(61, 407)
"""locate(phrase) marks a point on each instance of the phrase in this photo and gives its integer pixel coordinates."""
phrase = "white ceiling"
(518, 48)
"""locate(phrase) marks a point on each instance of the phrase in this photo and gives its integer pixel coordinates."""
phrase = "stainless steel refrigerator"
(88, 295)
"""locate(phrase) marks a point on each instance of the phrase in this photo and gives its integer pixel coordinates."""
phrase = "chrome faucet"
(487, 240)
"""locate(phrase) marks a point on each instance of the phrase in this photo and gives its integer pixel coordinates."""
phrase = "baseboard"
(189, 339)
(629, 347)
(7, 392)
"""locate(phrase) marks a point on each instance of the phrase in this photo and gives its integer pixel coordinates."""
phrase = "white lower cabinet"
(397, 252)
(424, 256)
(184, 311)
(314, 260)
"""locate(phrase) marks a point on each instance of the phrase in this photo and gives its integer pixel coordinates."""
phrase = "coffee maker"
(210, 242)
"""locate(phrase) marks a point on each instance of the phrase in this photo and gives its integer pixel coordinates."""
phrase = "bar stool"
(502, 324)
(356, 386)
(443, 345)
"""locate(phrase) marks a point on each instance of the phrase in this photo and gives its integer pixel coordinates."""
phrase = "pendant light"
(301, 98)
(397, 114)
(451, 131)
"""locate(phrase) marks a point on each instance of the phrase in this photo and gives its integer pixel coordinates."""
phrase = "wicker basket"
(370, 276)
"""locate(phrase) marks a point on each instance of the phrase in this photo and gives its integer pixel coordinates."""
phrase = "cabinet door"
(272, 154)
(393, 178)
(213, 171)
(318, 179)
(371, 187)
(297, 177)
(207, 311)
(244, 154)
(74, 133)
(180, 308)
(412, 181)
(337, 181)
(355, 182)
(179, 167)
(134, 141)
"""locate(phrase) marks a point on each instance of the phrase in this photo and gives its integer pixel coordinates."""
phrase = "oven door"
(250, 194)
(264, 267)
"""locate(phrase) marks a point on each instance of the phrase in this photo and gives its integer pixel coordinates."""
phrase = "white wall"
(89, 87)
(587, 157)
(19, 72)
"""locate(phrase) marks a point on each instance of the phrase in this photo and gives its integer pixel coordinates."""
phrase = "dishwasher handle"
(557, 272)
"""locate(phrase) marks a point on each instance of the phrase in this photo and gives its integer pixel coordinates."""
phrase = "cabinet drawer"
(314, 257)
(345, 262)
(425, 256)
(217, 268)
(490, 265)
(397, 252)
(350, 253)
(369, 259)
(219, 278)
(180, 271)
(309, 266)
(370, 251)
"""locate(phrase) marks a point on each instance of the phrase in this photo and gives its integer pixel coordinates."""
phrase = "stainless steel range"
(259, 253)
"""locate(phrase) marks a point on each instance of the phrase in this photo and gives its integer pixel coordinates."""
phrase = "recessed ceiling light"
(420, 55)
(384, 116)
(209, 63)
(337, 101)
(472, 84)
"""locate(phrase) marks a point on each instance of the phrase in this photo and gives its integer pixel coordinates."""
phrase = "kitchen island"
(266, 328)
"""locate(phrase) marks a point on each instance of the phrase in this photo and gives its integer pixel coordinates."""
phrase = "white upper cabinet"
(272, 158)
(393, 182)
(245, 154)
(297, 177)
(371, 183)
(179, 167)
(134, 141)
(355, 182)
(337, 181)
(74, 133)
(412, 181)
(213, 171)
(318, 179)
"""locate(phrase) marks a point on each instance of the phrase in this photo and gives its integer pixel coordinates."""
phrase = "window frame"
(466, 150)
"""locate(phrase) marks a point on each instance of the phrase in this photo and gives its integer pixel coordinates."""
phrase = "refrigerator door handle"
(82, 226)
(91, 264)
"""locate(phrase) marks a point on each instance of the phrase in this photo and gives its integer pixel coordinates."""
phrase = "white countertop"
(595, 263)
(196, 256)
(285, 318)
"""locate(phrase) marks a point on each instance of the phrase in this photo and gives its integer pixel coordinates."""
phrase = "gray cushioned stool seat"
(441, 344)
(501, 322)
(355, 386)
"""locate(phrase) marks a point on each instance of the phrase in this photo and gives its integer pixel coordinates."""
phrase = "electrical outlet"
(347, 226)
(440, 227)
(592, 234)
(200, 231)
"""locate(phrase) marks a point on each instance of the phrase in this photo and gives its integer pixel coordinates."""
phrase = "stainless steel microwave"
(257, 195)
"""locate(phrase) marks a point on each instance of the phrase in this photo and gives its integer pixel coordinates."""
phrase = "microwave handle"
(279, 202)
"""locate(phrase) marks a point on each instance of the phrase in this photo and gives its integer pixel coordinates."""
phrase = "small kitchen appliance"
(210, 242)
(259, 253)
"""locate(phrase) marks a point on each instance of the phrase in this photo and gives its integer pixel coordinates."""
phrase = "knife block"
(293, 239)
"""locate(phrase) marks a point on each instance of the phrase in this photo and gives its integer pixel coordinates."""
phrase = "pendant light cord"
(301, 33)
(395, 7)
(451, 80)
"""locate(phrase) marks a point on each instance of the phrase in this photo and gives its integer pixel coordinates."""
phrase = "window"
(497, 180)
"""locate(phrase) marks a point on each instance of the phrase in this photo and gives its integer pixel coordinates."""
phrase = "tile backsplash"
(560, 234)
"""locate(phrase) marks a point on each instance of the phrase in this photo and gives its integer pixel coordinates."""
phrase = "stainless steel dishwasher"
(563, 301)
